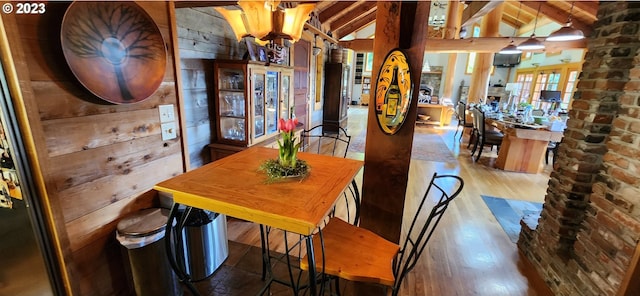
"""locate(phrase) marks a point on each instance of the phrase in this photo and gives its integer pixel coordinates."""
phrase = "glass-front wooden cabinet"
(249, 100)
(231, 103)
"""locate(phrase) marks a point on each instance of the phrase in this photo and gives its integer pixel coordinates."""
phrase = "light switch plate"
(168, 130)
(166, 113)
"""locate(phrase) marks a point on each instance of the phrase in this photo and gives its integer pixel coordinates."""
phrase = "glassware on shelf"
(234, 82)
(226, 82)
(231, 79)
(235, 130)
(259, 126)
(238, 105)
(240, 125)
(232, 104)
(240, 82)
(227, 111)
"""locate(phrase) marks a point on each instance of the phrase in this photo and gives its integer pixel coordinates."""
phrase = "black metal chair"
(482, 136)
(357, 254)
(328, 140)
(472, 134)
(319, 139)
(461, 109)
(552, 147)
(334, 141)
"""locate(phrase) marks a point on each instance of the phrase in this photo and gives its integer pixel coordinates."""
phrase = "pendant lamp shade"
(566, 33)
(510, 49)
(531, 44)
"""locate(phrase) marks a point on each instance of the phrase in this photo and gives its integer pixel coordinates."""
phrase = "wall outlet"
(166, 113)
(168, 130)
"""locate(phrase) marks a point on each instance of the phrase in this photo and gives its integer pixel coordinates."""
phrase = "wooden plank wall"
(100, 160)
(203, 35)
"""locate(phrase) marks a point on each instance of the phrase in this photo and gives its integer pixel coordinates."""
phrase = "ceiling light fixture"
(512, 48)
(266, 20)
(532, 43)
(567, 32)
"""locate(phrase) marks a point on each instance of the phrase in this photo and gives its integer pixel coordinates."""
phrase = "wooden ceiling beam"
(322, 5)
(189, 4)
(355, 13)
(533, 26)
(558, 15)
(515, 16)
(319, 32)
(334, 10)
(589, 7)
(356, 25)
(481, 45)
(474, 12)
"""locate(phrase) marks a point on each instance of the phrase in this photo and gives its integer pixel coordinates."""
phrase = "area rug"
(509, 212)
(426, 146)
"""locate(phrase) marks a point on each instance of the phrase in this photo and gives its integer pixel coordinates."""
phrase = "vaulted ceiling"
(335, 20)
(342, 18)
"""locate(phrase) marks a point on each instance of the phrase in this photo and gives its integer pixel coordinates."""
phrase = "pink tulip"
(281, 124)
(290, 125)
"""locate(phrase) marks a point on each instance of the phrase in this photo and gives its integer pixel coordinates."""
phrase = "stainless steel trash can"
(142, 234)
(205, 243)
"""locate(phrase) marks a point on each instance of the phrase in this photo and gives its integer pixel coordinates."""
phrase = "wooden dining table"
(523, 146)
(235, 187)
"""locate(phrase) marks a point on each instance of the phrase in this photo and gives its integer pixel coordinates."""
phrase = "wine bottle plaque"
(393, 92)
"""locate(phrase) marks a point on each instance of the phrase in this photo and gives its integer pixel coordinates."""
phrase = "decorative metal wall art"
(393, 91)
(114, 49)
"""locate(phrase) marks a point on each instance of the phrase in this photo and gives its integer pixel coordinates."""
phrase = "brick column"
(590, 223)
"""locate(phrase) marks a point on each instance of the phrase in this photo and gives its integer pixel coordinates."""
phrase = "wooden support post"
(482, 68)
(454, 17)
(448, 80)
(400, 24)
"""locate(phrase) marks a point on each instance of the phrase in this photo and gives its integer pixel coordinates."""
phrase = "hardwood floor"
(469, 254)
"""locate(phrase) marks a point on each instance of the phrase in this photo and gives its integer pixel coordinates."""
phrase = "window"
(368, 62)
(541, 80)
(471, 61)
(569, 88)
(523, 82)
(533, 80)
(544, 81)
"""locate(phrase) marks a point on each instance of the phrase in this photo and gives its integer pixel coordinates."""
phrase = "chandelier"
(266, 20)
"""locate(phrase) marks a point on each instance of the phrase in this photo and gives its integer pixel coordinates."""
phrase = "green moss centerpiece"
(287, 165)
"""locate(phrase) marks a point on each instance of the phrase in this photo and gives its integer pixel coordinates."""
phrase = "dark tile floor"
(240, 275)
